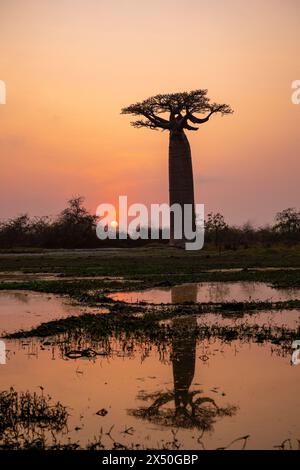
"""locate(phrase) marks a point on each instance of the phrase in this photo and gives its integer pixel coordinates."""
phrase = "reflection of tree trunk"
(184, 293)
(183, 360)
(192, 409)
(181, 185)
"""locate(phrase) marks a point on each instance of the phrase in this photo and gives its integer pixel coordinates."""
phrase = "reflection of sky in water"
(230, 389)
(210, 292)
(25, 309)
(261, 384)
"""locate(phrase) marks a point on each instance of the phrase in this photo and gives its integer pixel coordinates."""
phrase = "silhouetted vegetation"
(75, 228)
(285, 230)
(26, 418)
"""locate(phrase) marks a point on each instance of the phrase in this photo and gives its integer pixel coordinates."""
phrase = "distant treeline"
(75, 227)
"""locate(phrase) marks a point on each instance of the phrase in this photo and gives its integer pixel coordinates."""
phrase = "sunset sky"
(71, 65)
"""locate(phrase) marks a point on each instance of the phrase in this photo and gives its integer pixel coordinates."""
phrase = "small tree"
(216, 225)
(15, 232)
(75, 226)
(288, 221)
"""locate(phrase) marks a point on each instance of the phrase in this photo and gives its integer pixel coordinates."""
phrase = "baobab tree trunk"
(181, 184)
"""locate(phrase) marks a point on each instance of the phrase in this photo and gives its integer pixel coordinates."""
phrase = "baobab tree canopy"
(176, 111)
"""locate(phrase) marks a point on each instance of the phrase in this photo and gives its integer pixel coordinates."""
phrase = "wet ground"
(210, 292)
(202, 393)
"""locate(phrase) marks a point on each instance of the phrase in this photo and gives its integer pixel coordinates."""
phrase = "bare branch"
(142, 123)
(214, 108)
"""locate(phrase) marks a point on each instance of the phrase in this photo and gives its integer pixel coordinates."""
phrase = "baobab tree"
(176, 113)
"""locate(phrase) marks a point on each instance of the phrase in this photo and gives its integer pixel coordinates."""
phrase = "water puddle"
(264, 269)
(25, 309)
(209, 292)
(209, 393)
(19, 276)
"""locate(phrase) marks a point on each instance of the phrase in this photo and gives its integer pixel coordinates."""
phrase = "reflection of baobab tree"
(182, 407)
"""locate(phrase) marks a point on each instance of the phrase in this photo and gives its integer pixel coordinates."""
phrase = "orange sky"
(71, 65)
